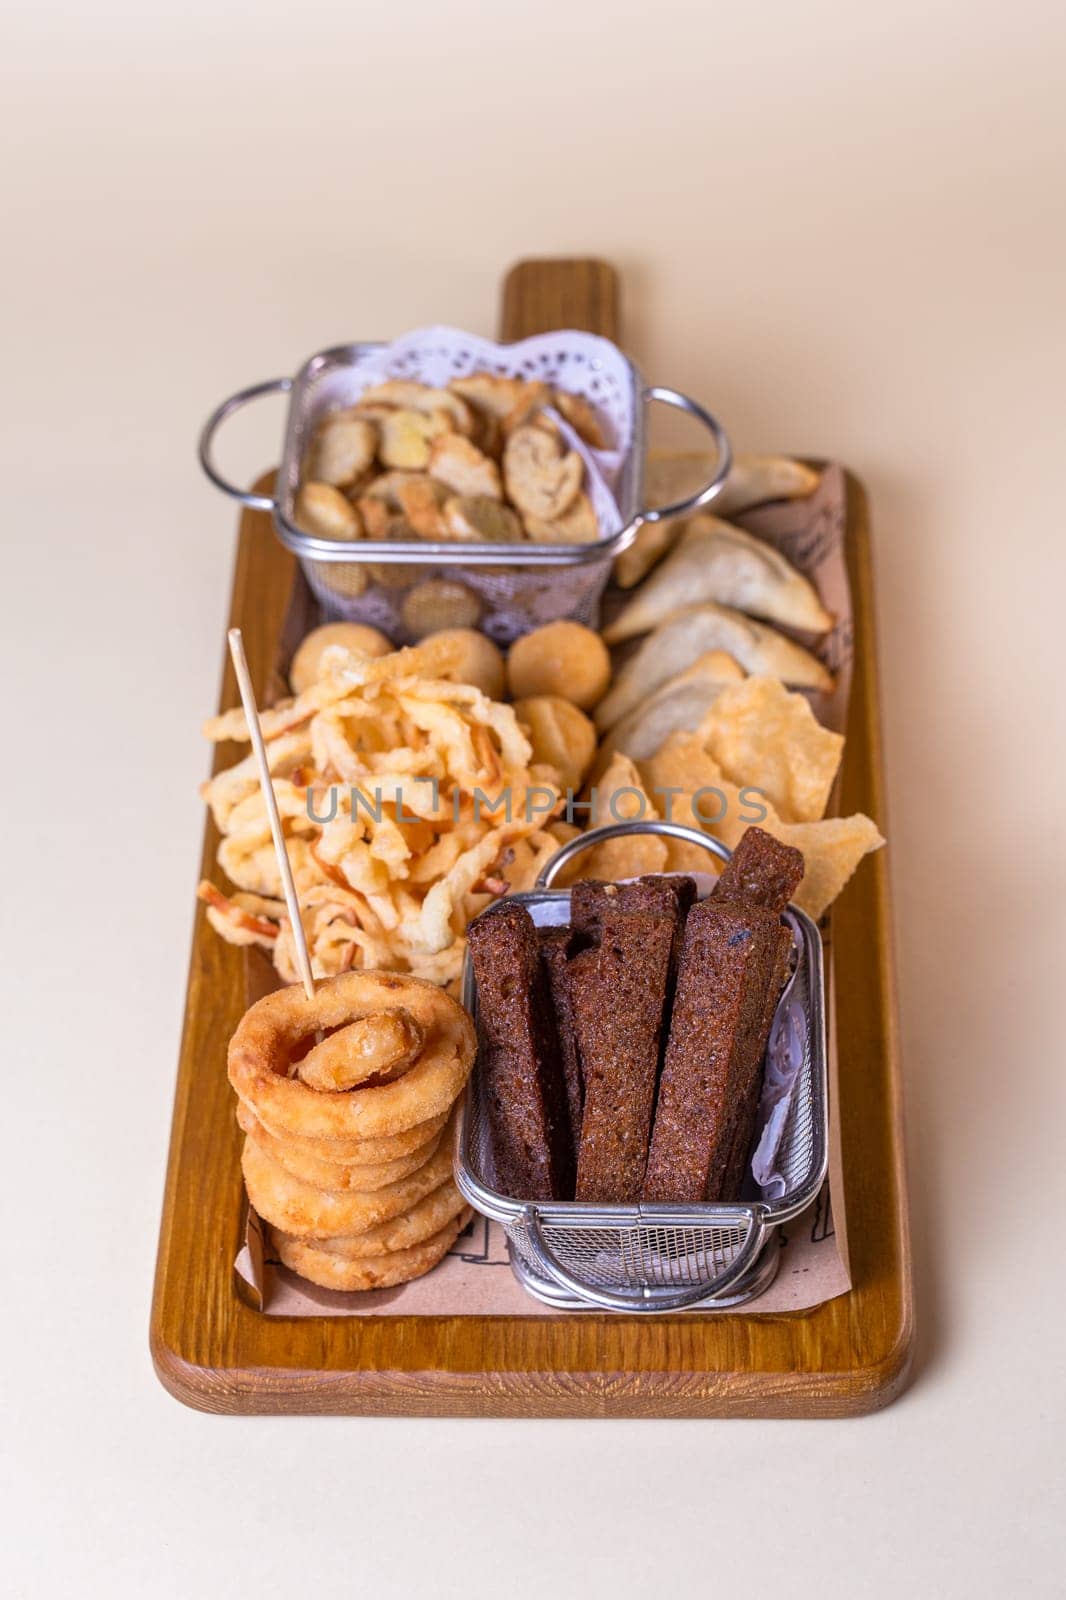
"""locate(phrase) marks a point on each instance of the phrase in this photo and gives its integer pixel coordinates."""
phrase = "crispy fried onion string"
(433, 808)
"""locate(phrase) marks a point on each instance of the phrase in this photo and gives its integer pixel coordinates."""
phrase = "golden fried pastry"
(755, 479)
(306, 663)
(376, 1272)
(679, 705)
(543, 478)
(463, 467)
(478, 661)
(344, 448)
(690, 631)
(562, 658)
(439, 605)
(577, 525)
(715, 561)
(561, 735)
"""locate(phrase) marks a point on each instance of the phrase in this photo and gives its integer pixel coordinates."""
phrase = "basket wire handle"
(255, 502)
(646, 1296)
(723, 455)
(617, 830)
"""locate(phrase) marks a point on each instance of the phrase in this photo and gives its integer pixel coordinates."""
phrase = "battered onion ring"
(295, 1207)
(271, 1032)
(380, 1047)
(333, 1175)
(361, 1151)
(413, 1227)
(375, 1272)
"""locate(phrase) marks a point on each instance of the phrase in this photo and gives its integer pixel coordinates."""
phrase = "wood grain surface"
(849, 1356)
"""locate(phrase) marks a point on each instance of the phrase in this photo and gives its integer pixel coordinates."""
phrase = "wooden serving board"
(851, 1355)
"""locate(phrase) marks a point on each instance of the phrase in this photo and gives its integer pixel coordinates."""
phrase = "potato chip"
(688, 787)
(769, 739)
(831, 848)
(620, 796)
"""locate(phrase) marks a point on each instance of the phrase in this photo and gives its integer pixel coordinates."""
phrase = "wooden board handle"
(539, 296)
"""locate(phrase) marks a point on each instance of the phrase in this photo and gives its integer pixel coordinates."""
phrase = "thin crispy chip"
(686, 784)
(762, 735)
(620, 796)
(831, 848)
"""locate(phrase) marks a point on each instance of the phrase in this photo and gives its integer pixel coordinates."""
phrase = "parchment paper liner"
(475, 1278)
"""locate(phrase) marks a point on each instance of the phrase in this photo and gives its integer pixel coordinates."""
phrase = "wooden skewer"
(251, 713)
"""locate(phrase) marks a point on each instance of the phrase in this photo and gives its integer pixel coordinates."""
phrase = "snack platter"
(215, 1350)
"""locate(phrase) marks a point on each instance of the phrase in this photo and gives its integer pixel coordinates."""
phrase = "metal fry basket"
(516, 587)
(643, 1257)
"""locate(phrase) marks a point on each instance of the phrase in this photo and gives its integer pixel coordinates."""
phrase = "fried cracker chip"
(688, 787)
(831, 848)
(762, 735)
(620, 796)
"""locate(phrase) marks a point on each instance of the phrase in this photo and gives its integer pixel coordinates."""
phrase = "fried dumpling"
(678, 706)
(753, 480)
(689, 633)
(713, 560)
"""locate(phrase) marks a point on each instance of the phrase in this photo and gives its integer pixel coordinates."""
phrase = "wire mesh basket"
(645, 1257)
(512, 588)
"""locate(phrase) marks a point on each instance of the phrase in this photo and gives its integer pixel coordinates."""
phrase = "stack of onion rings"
(355, 1181)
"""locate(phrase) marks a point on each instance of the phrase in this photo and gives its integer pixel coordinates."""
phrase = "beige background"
(843, 227)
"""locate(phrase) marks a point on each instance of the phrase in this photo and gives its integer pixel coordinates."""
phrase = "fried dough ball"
(479, 661)
(562, 658)
(352, 635)
(562, 736)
